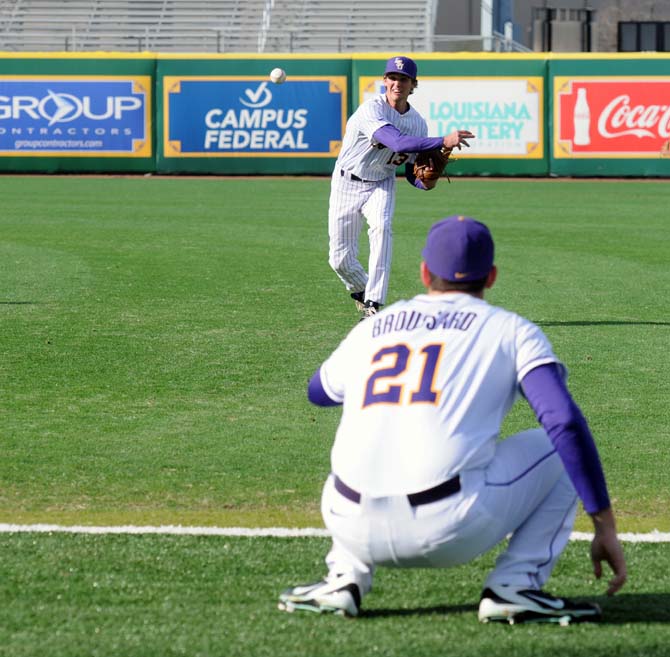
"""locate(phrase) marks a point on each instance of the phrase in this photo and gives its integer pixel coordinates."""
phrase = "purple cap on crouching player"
(458, 249)
(403, 65)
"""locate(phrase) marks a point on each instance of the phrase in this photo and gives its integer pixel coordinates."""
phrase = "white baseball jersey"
(361, 154)
(425, 386)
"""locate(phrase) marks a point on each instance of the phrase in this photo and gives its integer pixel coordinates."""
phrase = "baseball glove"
(430, 165)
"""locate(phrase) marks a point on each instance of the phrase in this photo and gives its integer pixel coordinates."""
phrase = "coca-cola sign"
(611, 117)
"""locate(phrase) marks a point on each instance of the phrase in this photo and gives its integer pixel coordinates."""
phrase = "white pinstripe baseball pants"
(350, 202)
(525, 491)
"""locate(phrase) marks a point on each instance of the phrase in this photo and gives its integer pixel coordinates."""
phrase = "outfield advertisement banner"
(506, 113)
(232, 116)
(611, 117)
(84, 116)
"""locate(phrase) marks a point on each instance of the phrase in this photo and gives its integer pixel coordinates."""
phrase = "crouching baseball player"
(419, 477)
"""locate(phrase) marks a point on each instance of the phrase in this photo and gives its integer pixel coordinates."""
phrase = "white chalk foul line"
(177, 530)
(654, 536)
(628, 537)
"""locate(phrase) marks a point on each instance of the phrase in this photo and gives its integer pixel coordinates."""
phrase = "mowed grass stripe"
(158, 334)
(197, 596)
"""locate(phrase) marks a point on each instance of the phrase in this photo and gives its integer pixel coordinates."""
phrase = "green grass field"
(157, 337)
(155, 596)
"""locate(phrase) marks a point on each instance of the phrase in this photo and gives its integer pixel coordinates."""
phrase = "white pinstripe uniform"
(469, 357)
(372, 197)
(419, 477)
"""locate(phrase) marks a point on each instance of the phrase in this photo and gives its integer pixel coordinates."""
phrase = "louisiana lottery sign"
(611, 117)
(505, 113)
(85, 116)
(251, 117)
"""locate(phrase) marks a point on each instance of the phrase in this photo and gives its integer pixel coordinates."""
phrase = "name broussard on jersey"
(404, 321)
(258, 129)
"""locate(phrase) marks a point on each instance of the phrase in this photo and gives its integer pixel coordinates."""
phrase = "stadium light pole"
(486, 24)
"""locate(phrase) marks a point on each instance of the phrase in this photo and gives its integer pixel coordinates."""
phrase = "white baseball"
(278, 75)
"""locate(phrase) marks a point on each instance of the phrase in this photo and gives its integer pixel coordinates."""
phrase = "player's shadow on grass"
(603, 323)
(617, 610)
(445, 610)
(18, 303)
(635, 608)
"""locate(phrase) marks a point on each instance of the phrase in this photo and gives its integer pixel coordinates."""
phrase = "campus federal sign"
(231, 116)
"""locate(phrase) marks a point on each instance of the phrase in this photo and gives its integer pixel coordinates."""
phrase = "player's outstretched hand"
(606, 547)
(457, 139)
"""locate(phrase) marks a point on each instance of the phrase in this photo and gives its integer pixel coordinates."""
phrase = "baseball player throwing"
(419, 477)
(382, 134)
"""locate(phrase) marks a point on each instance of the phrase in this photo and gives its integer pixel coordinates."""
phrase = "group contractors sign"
(83, 116)
(505, 113)
(231, 116)
(611, 117)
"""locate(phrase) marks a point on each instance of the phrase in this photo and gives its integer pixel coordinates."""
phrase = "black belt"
(439, 492)
(346, 174)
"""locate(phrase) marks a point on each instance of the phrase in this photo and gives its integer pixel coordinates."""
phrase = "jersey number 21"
(386, 385)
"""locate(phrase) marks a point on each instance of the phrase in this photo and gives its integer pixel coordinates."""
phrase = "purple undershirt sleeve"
(392, 138)
(562, 419)
(316, 394)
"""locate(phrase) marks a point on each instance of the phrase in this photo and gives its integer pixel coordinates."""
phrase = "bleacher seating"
(351, 25)
(131, 25)
(216, 25)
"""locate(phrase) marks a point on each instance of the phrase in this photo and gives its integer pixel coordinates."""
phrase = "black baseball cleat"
(513, 605)
(359, 300)
(370, 309)
(340, 596)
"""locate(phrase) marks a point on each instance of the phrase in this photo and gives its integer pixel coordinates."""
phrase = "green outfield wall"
(535, 114)
(623, 128)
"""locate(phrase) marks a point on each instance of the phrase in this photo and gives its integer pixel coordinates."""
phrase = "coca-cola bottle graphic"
(581, 119)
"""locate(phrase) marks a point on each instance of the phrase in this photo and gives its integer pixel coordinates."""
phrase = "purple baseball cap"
(403, 65)
(459, 249)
